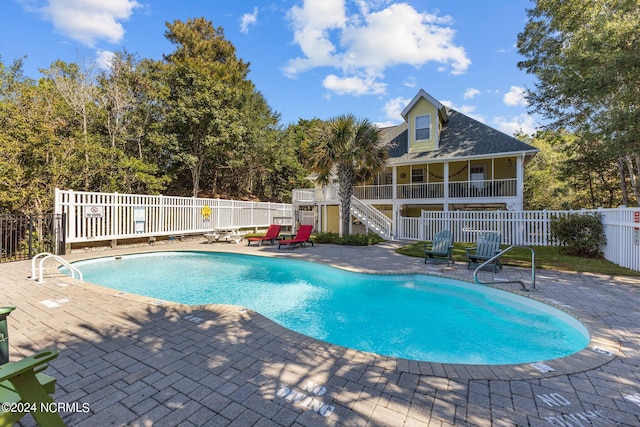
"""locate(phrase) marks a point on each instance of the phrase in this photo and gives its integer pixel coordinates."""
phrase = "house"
(439, 160)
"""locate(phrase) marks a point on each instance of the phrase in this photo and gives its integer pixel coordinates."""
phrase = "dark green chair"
(23, 386)
(440, 247)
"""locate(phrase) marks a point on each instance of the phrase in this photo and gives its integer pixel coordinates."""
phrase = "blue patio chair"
(487, 247)
(440, 247)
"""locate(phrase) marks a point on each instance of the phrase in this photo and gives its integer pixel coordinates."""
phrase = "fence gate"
(23, 236)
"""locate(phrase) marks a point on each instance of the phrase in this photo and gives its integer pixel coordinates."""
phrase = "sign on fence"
(636, 229)
(93, 211)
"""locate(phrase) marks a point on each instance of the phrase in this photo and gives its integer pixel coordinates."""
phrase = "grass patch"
(547, 257)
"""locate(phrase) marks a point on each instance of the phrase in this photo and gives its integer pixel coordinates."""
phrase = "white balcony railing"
(490, 188)
(483, 188)
(433, 190)
(325, 194)
(373, 192)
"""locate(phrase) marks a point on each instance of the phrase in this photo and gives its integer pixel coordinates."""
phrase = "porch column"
(324, 218)
(446, 187)
(394, 200)
(320, 218)
(519, 182)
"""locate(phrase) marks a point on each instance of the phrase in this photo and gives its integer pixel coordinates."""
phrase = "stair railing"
(495, 257)
(37, 275)
(373, 218)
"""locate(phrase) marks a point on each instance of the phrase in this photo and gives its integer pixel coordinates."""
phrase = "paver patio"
(128, 360)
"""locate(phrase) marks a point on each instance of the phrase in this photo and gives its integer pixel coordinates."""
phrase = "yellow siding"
(458, 171)
(436, 172)
(505, 168)
(333, 219)
(404, 175)
(421, 108)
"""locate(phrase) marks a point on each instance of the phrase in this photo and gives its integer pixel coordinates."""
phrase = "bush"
(350, 240)
(579, 234)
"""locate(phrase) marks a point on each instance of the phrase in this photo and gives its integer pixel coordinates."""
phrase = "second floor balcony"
(434, 191)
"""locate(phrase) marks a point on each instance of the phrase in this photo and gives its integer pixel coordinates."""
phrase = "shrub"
(579, 234)
(350, 240)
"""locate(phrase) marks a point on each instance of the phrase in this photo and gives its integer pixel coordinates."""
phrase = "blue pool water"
(410, 316)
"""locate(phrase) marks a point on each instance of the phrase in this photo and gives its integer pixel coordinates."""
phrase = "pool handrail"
(495, 257)
(46, 255)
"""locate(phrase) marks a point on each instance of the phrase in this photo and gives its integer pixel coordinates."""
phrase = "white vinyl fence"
(110, 216)
(530, 228)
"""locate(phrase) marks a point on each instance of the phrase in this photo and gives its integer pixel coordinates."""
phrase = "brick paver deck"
(127, 360)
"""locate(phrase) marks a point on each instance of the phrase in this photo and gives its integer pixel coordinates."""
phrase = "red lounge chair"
(302, 237)
(271, 235)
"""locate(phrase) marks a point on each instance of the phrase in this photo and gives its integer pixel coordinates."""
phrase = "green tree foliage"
(207, 86)
(36, 142)
(544, 186)
(564, 175)
(144, 126)
(265, 165)
(584, 54)
(349, 150)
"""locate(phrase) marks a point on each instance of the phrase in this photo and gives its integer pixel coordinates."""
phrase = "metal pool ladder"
(46, 255)
(495, 257)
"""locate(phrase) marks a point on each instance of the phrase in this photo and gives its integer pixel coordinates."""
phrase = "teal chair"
(440, 247)
(487, 247)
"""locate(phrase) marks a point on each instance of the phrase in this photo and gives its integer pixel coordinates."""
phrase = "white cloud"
(248, 19)
(393, 108)
(401, 35)
(366, 43)
(515, 97)
(471, 93)
(510, 125)
(510, 49)
(410, 82)
(104, 58)
(311, 25)
(353, 85)
(88, 21)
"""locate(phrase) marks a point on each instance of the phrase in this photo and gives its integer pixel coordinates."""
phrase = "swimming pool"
(409, 316)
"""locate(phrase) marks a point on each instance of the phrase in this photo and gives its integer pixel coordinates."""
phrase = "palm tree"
(348, 149)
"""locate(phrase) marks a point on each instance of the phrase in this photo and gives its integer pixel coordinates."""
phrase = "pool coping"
(602, 347)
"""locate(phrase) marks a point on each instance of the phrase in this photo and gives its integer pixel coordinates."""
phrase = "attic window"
(423, 127)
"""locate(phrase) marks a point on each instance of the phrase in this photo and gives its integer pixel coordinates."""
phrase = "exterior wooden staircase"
(372, 218)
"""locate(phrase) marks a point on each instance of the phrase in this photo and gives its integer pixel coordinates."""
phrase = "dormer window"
(423, 127)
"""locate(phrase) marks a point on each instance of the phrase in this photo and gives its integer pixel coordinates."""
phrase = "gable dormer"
(424, 116)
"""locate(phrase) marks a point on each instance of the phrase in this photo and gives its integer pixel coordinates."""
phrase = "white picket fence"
(111, 216)
(531, 228)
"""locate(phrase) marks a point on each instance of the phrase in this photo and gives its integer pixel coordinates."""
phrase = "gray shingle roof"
(461, 137)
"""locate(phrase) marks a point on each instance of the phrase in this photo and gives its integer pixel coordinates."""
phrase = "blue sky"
(310, 58)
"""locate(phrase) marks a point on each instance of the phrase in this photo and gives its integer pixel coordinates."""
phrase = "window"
(423, 127)
(417, 175)
(388, 177)
(477, 177)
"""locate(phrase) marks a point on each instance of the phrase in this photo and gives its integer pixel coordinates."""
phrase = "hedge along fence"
(112, 216)
(580, 234)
